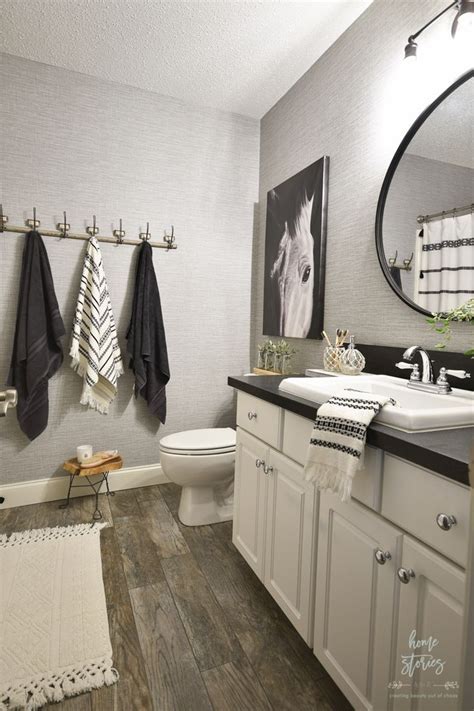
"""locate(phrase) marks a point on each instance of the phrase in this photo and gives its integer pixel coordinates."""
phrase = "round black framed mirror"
(424, 223)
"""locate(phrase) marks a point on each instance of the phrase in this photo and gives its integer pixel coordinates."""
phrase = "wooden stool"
(74, 469)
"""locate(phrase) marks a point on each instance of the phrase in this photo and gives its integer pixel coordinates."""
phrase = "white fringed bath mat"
(54, 630)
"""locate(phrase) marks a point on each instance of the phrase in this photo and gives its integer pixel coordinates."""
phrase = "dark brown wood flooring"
(192, 627)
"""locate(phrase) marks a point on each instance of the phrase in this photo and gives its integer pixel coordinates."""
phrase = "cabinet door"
(249, 500)
(289, 542)
(355, 599)
(430, 627)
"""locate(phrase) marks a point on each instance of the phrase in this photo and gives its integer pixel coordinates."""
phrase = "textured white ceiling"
(239, 56)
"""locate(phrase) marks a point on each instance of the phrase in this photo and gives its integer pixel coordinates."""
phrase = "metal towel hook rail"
(406, 266)
(64, 231)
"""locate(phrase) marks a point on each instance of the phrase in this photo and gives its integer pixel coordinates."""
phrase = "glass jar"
(332, 358)
(352, 360)
(261, 357)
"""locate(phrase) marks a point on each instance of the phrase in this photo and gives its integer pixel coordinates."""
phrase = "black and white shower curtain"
(444, 263)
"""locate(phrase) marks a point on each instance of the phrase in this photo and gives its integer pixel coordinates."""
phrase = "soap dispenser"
(352, 360)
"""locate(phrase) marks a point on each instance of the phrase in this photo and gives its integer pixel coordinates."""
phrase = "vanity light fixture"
(464, 19)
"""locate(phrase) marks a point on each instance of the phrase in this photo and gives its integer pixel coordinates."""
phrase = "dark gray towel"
(146, 340)
(37, 352)
(396, 275)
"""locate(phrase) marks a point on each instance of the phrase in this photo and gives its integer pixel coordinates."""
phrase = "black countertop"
(447, 452)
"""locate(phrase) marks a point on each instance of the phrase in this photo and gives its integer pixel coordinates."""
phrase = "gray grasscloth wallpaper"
(71, 142)
(355, 105)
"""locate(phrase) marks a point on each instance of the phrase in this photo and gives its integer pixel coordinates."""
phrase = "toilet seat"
(211, 441)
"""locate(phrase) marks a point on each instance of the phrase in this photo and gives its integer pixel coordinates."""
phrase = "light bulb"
(464, 21)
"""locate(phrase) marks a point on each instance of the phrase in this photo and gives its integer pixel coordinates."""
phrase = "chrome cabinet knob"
(252, 415)
(405, 575)
(382, 556)
(445, 521)
(260, 463)
(268, 470)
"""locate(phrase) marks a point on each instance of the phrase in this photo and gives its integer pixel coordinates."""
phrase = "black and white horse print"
(294, 255)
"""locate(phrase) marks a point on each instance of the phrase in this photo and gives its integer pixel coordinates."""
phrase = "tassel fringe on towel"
(35, 535)
(44, 689)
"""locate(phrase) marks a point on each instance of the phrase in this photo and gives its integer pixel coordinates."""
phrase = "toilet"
(202, 463)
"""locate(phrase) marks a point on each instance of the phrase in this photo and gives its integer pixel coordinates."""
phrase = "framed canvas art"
(295, 254)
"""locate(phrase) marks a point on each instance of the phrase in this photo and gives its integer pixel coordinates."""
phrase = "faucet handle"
(443, 372)
(414, 367)
(458, 373)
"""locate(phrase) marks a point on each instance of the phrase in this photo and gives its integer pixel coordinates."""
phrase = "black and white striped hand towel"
(336, 448)
(95, 350)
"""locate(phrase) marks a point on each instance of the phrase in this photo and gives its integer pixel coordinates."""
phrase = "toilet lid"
(216, 440)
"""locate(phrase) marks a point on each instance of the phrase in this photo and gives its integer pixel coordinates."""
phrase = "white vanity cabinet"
(355, 599)
(250, 500)
(290, 541)
(274, 527)
(430, 622)
(367, 582)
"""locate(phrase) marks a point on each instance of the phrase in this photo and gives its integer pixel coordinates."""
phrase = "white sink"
(413, 411)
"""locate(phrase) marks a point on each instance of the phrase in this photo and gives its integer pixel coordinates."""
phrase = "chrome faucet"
(426, 381)
(426, 367)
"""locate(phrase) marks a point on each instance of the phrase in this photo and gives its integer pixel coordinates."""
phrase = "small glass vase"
(332, 358)
(261, 359)
(285, 368)
(277, 363)
(269, 360)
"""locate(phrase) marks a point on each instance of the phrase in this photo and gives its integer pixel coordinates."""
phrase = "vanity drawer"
(412, 497)
(367, 483)
(260, 418)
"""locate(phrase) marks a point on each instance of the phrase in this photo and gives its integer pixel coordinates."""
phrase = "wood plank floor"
(192, 627)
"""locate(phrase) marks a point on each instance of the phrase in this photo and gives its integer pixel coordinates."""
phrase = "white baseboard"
(37, 491)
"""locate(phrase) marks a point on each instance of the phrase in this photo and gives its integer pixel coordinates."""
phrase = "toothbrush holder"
(332, 358)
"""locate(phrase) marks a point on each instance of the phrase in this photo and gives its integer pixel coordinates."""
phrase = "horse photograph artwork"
(295, 251)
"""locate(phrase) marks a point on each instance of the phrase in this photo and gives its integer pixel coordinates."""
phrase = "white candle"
(84, 452)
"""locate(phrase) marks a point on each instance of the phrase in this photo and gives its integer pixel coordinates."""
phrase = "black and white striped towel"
(95, 350)
(336, 448)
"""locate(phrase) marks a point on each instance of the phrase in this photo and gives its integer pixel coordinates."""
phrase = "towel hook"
(120, 233)
(94, 230)
(169, 239)
(393, 260)
(146, 236)
(63, 227)
(34, 223)
(3, 219)
(407, 263)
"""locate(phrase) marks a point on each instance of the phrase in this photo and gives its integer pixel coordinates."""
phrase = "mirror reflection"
(428, 235)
